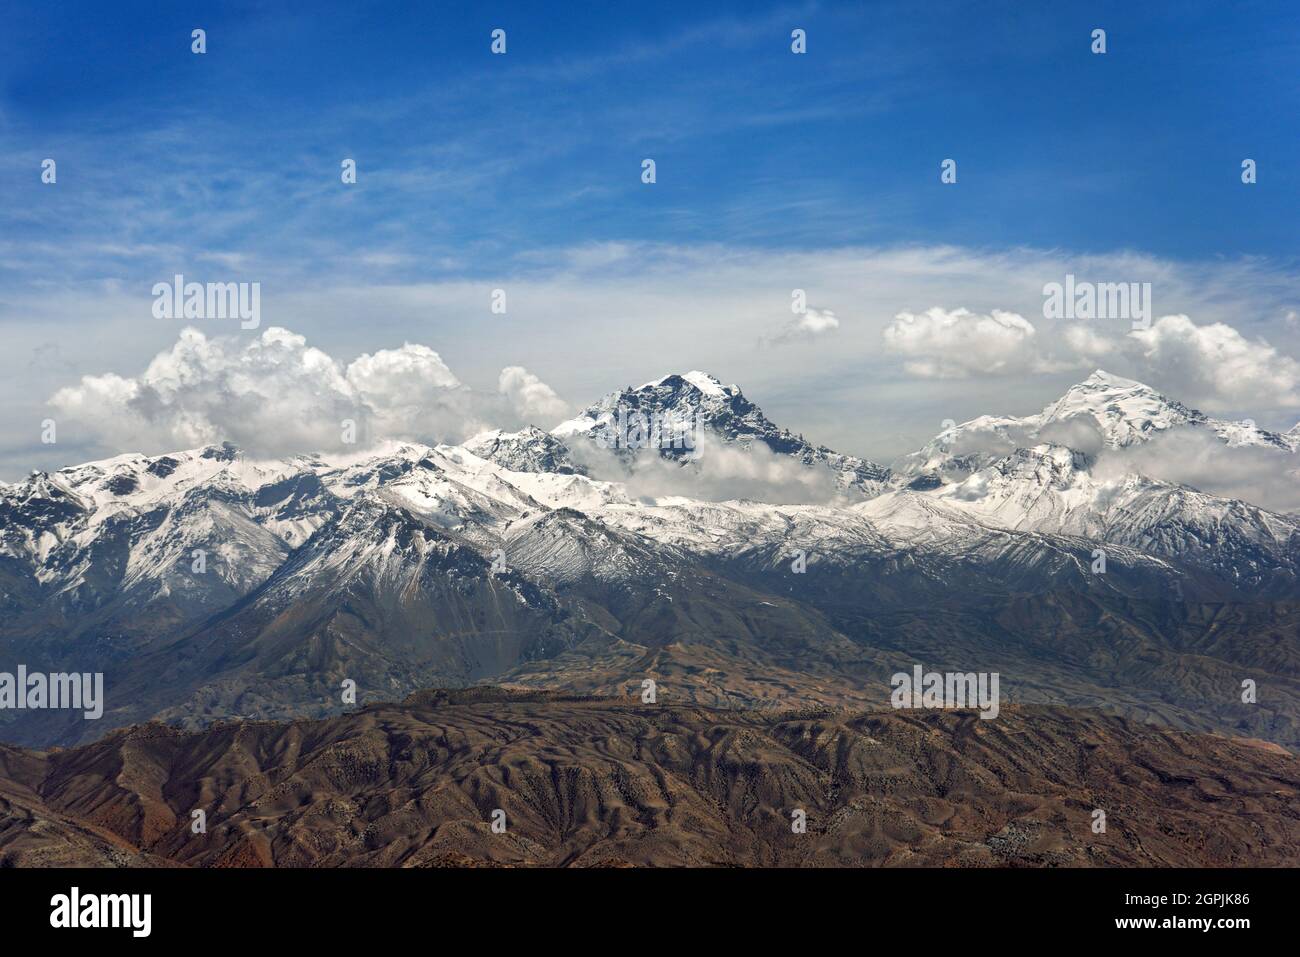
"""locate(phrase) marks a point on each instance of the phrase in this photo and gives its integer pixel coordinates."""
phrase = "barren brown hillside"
(589, 782)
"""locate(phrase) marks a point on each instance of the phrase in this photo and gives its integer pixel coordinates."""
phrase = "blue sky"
(525, 169)
(478, 156)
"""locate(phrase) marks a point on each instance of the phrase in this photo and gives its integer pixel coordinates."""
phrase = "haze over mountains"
(753, 570)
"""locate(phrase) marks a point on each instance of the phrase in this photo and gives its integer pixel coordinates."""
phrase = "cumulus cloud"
(1212, 366)
(532, 399)
(958, 343)
(410, 393)
(1217, 364)
(277, 395)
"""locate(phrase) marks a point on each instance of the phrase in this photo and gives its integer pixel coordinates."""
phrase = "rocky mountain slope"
(591, 783)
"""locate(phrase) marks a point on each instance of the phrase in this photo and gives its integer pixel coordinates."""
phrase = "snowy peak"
(681, 410)
(1103, 412)
(681, 394)
(472, 558)
(693, 402)
(1101, 379)
(1128, 412)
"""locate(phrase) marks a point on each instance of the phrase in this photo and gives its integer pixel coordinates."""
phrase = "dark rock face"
(226, 452)
(162, 467)
(122, 485)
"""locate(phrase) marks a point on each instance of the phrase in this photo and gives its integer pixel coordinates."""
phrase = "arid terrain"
(615, 782)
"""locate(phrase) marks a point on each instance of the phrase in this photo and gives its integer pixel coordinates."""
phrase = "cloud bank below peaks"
(716, 471)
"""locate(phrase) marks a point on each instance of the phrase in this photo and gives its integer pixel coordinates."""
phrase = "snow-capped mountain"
(133, 524)
(1104, 412)
(1049, 489)
(1125, 411)
(674, 414)
(209, 584)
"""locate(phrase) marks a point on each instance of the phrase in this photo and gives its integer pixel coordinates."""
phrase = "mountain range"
(747, 568)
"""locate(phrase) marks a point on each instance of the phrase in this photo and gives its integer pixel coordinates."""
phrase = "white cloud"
(958, 343)
(532, 399)
(1212, 366)
(627, 314)
(816, 321)
(276, 395)
(1216, 365)
(1087, 342)
(1259, 474)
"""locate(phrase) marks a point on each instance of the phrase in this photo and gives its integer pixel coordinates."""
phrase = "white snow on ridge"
(574, 426)
(706, 383)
